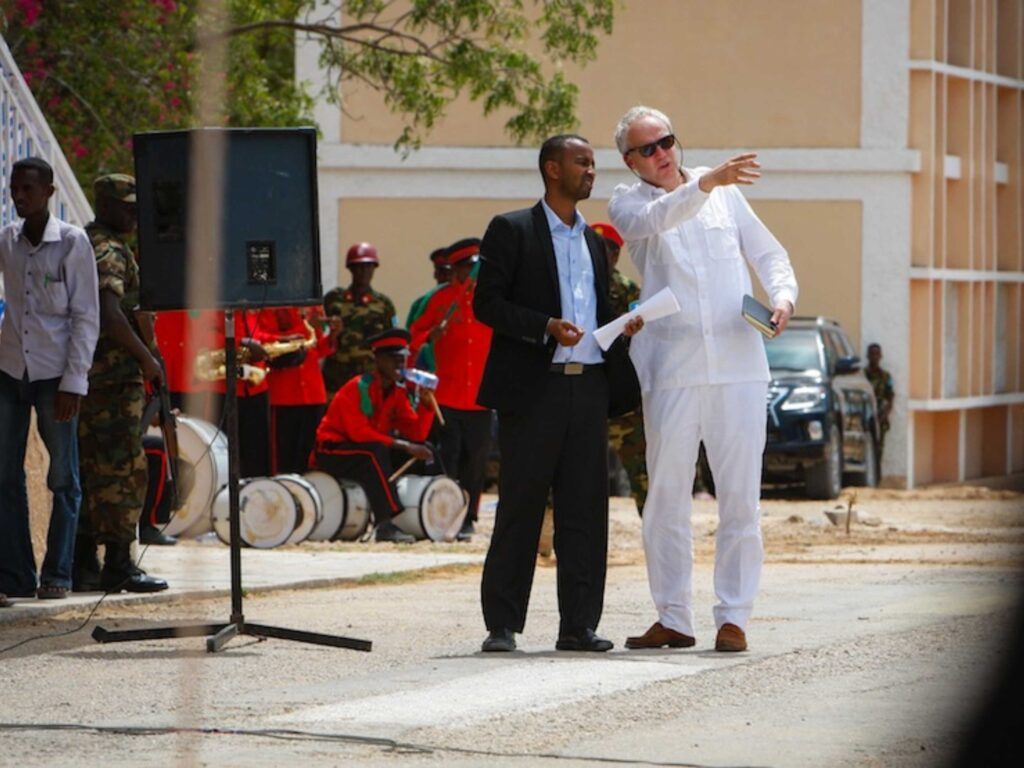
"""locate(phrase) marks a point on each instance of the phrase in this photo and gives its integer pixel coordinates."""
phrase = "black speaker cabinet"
(269, 252)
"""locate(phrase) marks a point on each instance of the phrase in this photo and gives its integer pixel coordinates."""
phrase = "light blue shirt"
(53, 306)
(575, 287)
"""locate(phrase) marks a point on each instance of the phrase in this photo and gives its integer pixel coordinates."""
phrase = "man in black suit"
(543, 288)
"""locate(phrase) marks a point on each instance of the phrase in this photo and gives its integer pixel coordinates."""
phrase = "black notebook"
(759, 316)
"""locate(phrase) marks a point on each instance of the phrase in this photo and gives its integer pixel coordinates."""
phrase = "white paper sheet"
(661, 304)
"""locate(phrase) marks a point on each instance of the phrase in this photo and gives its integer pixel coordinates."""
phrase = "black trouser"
(253, 425)
(557, 442)
(370, 465)
(292, 436)
(465, 442)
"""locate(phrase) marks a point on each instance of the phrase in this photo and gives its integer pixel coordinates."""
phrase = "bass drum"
(267, 513)
(434, 507)
(206, 448)
(346, 513)
(308, 499)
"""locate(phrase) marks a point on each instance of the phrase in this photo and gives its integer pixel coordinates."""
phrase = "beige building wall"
(696, 61)
(967, 275)
(890, 132)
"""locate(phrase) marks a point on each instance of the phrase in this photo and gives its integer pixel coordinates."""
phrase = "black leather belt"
(572, 369)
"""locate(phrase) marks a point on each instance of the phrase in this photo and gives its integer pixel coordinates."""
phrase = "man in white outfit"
(703, 371)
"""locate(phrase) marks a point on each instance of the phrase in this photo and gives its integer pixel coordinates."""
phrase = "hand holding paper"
(661, 304)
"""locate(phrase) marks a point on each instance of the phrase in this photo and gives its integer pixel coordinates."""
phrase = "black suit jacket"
(516, 293)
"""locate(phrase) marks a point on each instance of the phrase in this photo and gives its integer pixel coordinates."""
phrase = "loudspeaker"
(269, 251)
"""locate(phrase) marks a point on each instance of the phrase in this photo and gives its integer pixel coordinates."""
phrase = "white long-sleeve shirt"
(52, 320)
(695, 243)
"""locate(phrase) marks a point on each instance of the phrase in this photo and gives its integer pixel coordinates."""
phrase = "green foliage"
(420, 55)
(104, 69)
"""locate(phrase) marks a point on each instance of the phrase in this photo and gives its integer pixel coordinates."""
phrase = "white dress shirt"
(576, 288)
(52, 319)
(695, 244)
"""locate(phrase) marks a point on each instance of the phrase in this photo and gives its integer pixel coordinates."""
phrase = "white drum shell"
(433, 507)
(357, 512)
(310, 506)
(332, 506)
(267, 513)
(206, 447)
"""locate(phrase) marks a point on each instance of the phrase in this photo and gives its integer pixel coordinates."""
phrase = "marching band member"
(372, 416)
(460, 343)
(297, 393)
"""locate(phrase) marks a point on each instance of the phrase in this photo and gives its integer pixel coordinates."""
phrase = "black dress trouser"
(465, 444)
(292, 436)
(556, 442)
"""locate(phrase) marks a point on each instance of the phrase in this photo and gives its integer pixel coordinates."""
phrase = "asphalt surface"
(860, 656)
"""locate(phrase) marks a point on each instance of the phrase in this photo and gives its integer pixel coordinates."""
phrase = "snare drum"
(434, 507)
(206, 448)
(267, 513)
(310, 508)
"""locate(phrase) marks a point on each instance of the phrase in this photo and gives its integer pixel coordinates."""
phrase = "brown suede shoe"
(658, 636)
(730, 639)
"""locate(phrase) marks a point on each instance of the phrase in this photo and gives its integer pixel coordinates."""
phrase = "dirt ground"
(793, 527)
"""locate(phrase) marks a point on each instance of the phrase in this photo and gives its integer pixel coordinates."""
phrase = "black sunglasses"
(646, 150)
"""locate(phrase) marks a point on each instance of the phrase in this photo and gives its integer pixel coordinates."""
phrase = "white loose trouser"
(730, 419)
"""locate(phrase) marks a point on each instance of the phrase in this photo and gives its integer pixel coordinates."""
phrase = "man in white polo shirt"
(703, 371)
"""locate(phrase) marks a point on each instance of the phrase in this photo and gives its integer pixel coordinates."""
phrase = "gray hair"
(634, 114)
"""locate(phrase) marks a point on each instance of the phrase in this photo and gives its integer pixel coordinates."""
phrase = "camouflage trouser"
(884, 427)
(113, 464)
(626, 437)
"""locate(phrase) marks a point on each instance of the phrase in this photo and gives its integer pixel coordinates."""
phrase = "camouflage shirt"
(621, 293)
(881, 382)
(361, 318)
(118, 272)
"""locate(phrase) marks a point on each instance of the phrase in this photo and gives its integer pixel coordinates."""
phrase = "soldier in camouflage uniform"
(354, 314)
(626, 432)
(881, 381)
(113, 464)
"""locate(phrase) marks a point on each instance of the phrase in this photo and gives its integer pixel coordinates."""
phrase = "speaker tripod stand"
(218, 635)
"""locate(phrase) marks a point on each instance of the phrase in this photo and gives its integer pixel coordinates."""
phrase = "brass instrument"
(210, 366)
(279, 348)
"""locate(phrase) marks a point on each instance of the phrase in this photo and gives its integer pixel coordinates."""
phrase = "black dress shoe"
(149, 534)
(133, 580)
(585, 640)
(499, 640)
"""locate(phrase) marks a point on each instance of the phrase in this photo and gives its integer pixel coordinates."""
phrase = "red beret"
(606, 230)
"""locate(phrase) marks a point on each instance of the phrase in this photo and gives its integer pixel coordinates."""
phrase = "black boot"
(85, 571)
(120, 574)
(150, 534)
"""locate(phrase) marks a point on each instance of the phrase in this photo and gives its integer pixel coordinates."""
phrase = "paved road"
(851, 664)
